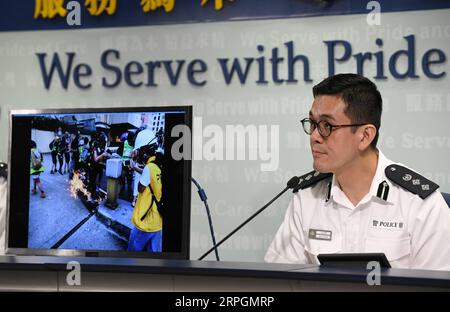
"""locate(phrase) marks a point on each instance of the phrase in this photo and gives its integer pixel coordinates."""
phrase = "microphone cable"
(204, 199)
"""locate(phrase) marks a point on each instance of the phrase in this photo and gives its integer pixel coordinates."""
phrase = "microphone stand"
(291, 184)
(203, 198)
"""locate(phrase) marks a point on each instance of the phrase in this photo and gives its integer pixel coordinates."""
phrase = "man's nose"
(315, 136)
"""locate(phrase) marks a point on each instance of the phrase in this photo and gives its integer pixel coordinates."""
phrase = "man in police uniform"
(356, 200)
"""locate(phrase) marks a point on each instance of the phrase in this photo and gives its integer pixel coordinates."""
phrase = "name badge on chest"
(319, 234)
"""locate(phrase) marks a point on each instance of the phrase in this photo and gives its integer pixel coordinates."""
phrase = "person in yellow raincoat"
(147, 219)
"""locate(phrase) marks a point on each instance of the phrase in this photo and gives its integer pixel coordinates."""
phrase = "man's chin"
(320, 167)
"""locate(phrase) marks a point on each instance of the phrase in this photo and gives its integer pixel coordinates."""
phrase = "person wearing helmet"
(65, 143)
(147, 214)
(56, 151)
(98, 161)
(145, 136)
(126, 151)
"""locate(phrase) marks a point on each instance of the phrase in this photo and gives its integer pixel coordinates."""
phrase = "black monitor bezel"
(183, 254)
(353, 258)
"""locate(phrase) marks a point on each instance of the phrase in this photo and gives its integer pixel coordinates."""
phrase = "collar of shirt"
(339, 197)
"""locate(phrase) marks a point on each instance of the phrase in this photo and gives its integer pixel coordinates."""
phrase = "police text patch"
(388, 225)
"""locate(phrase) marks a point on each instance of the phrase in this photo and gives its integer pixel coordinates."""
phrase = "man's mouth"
(317, 153)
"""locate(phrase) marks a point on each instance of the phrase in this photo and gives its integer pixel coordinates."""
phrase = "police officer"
(356, 200)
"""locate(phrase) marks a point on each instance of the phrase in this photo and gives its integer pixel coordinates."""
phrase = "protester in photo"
(36, 168)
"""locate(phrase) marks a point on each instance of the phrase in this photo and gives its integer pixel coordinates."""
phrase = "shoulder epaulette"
(410, 180)
(310, 179)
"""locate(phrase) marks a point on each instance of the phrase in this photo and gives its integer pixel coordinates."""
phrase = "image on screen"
(99, 181)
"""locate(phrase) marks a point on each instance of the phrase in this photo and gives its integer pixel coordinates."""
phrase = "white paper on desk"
(2, 214)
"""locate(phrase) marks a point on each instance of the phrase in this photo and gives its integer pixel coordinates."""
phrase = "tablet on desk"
(354, 258)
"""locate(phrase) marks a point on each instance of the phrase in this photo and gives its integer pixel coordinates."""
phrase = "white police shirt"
(412, 232)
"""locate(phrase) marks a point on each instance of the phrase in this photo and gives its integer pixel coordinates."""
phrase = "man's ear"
(367, 135)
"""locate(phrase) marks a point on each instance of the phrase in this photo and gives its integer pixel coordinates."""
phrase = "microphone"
(293, 182)
(3, 170)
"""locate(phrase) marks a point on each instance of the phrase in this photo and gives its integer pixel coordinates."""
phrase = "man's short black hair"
(361, 96)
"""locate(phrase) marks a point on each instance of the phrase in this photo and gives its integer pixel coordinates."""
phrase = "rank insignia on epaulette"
(309, 179)
(411, 181)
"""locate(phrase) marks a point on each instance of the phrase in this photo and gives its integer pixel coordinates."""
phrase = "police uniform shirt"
(412, 232)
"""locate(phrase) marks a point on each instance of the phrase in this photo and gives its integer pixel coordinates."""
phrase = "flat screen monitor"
(100, 182)
(354, 259)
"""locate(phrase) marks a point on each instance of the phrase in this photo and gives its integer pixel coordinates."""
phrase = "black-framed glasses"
(324, 127)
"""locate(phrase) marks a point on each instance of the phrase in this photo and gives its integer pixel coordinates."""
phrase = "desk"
(113, 274)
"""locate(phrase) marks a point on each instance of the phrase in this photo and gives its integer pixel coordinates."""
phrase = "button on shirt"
(412, 232)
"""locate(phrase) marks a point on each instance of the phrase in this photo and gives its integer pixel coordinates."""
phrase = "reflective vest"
(36, 154)
(127, 150)
(54, 147)
(80, 151)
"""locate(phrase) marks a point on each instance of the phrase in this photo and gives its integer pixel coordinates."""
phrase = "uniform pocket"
(394, 249)
(316, 247)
